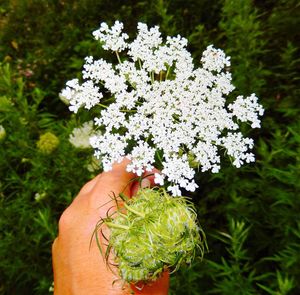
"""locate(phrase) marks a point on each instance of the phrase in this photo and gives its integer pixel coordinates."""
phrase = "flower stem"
(118, 57)
(102, 105)
(151, 77)
(140, 63)
(168, 72)
(134, 211)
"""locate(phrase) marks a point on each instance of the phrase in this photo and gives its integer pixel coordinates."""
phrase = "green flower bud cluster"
(47, 143)
(156, 233)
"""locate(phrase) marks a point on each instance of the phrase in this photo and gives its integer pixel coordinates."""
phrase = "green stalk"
(168, 72)
(113, 225)
(118, 57)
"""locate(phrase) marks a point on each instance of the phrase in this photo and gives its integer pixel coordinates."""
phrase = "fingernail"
(145, 183)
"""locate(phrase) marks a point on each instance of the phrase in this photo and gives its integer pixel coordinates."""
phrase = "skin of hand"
(79, 268)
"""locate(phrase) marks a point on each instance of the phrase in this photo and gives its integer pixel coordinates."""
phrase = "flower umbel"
(158, 110)
(47, 143)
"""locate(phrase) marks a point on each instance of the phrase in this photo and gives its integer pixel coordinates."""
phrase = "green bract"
(156, 233)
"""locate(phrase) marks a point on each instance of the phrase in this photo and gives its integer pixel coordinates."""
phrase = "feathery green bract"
(157, 233)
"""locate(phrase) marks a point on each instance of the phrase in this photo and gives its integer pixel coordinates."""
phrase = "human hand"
(78, 267)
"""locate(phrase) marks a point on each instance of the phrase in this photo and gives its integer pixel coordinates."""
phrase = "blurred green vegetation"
(250, 215)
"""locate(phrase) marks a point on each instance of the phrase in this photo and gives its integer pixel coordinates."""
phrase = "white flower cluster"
(87, 94)
(113, 38)
(80, 137)
(159, 108)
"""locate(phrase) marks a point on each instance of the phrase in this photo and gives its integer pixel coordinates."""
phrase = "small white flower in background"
(159, 110)
(2, 133)
(93, 165)
(51, 288)
(80, 137)
(40, 196)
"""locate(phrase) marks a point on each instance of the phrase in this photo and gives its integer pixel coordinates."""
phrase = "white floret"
(113, 39)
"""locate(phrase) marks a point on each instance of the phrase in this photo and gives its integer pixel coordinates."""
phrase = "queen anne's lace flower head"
(160, 111)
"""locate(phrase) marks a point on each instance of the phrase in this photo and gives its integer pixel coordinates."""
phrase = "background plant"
(250, 215)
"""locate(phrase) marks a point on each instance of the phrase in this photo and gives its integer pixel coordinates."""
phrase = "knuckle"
(88, 187)
(54, 245)
(65, 221)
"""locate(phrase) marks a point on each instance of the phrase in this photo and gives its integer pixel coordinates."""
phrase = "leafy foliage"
(250, 215)
(35, 186)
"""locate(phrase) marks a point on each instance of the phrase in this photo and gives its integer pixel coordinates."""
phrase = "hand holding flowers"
(77, 266)
(158, 110)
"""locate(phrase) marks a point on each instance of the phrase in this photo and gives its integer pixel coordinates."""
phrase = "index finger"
(112, 182)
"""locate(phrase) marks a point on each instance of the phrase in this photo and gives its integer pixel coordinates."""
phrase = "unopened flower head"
(156, 234)
(157, 107)
(47, 143)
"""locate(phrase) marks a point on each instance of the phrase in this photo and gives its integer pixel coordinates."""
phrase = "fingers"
(112, 182)
(117, 179)
(147, 181)
(138, 185)
(89, 185)
(159, 287)
(101, 189)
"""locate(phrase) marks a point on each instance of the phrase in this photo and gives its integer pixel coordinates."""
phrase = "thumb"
(139, 185)
(147, 181)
